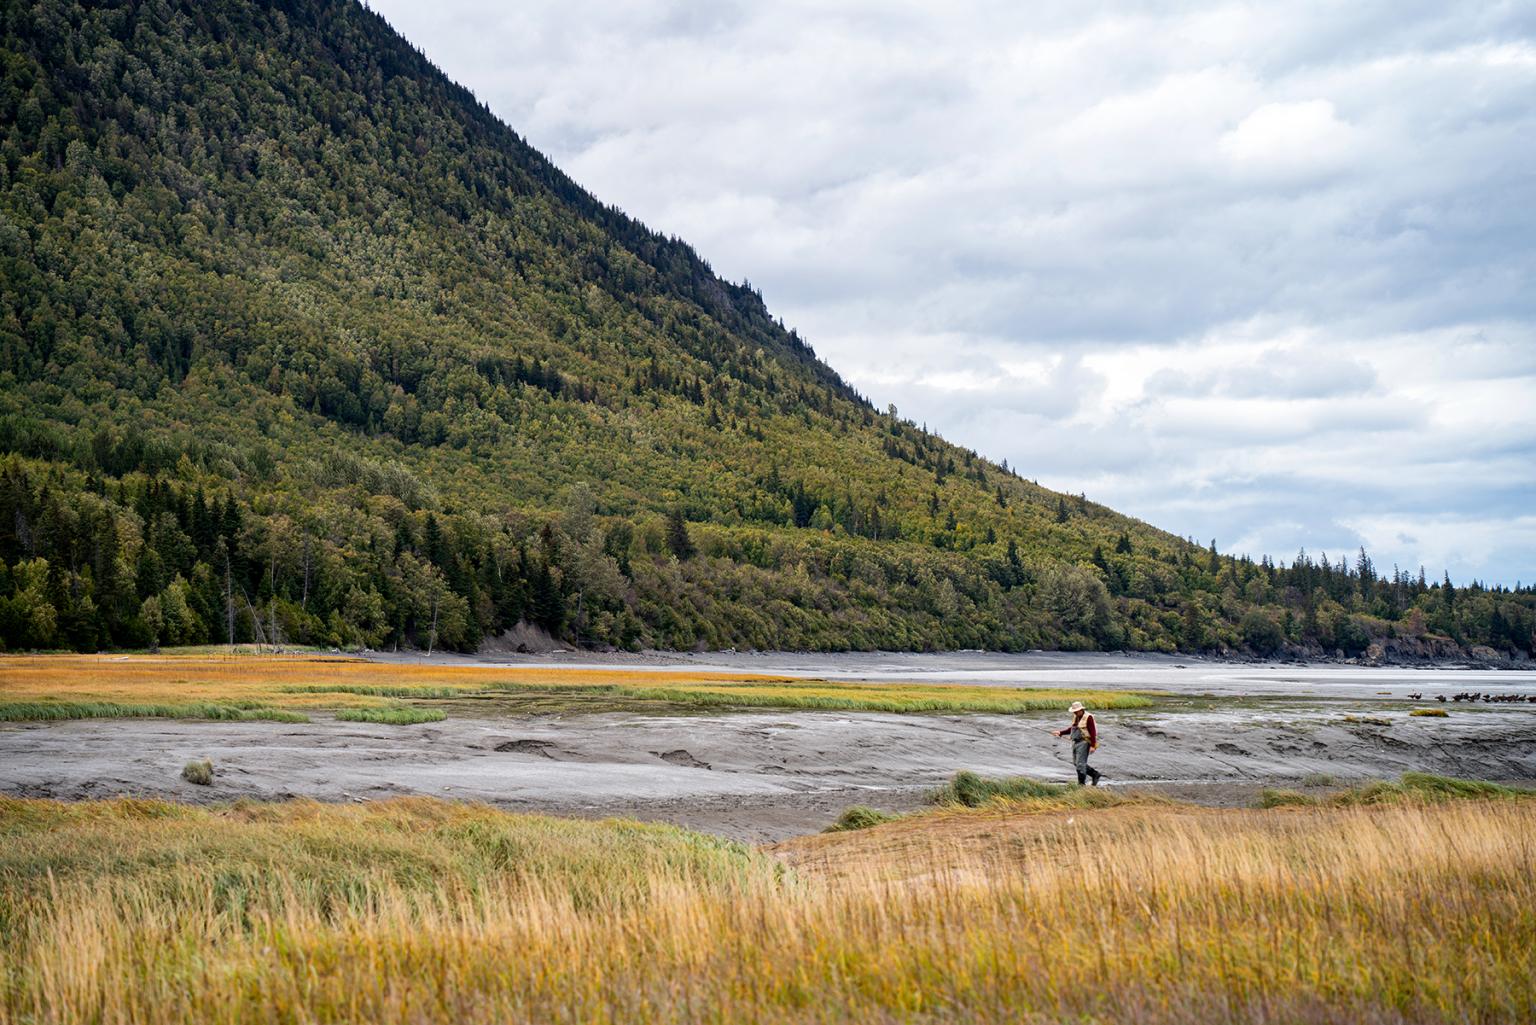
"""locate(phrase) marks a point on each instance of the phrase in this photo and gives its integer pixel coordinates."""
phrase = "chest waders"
(1080, 756)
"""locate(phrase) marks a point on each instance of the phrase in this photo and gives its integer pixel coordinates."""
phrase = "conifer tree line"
(299, 344)
(89, 562)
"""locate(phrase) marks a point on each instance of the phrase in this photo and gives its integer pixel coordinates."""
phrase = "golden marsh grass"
(299, 682)
(416, 910)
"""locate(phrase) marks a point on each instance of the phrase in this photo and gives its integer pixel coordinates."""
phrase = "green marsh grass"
(861, 817)
(46, 711)
(1280, 797)
(391, 716)
(1426, 786)
(1416, 787)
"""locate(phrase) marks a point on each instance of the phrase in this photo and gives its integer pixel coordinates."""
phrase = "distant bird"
(1492, 699)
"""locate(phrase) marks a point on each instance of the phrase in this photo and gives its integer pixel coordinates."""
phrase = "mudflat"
(766, 774)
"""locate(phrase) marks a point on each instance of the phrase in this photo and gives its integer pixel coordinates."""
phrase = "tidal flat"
(752, 756)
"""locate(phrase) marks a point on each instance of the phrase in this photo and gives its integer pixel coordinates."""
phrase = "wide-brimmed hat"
(1077, 706)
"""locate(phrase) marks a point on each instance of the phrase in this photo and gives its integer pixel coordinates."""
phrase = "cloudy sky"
(1258, 272)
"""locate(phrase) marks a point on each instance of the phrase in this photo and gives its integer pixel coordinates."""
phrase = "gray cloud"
(1273, 374)
(1259, 271)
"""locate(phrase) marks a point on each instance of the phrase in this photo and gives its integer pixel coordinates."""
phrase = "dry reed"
(416, 910)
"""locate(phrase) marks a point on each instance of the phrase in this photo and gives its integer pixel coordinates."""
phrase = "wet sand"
(760, 775)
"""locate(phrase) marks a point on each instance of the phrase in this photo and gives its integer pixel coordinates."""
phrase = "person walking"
(1085, 740)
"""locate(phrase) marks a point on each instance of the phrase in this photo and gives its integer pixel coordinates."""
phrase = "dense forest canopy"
(299, 343)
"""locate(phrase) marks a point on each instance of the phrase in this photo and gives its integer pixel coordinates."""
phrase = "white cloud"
(1288, 141)
(1451, 540)
(1253, 271)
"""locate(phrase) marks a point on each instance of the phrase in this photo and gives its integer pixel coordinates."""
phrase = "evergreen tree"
(678, 541)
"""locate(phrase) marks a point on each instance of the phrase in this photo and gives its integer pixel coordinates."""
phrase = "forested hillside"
(298, 342)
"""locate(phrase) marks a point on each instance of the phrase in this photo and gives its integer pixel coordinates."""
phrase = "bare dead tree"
(229, 598)
(304, 598)
(261, 637)
(432, 637)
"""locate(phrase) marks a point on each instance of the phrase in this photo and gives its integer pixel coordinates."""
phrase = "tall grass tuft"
(967, 789)
(860, 817)
(973, 791)
(199, 771)
(1417, 787)
(391, 716)
(1276, 797)
(1425, 786)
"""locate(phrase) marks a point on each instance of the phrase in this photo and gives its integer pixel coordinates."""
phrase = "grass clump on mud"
(1280, 797)
(1430, 713)
(969, 790)
(50, 711)
(973, 791)
(860, 817)
(391, 716)
(198, 771)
